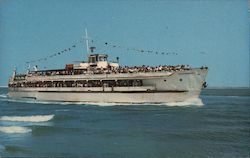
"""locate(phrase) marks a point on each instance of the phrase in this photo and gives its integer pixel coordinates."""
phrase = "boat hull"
(107, 97)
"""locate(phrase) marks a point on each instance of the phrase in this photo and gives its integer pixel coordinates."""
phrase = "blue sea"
(218, 125)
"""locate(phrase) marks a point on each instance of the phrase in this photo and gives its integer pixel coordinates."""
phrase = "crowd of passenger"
(136, 69)
(111, 70)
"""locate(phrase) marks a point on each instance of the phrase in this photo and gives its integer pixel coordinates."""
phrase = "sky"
(202, 33)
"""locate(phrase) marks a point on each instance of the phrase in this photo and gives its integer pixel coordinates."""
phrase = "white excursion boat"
(100, 81)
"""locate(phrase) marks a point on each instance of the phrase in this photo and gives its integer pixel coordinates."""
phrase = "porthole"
(165, 80)
(180, 79)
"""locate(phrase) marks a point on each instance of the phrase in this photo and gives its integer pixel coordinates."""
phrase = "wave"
(14, 129)
(188, 102)
(3, 96)
(36, 118)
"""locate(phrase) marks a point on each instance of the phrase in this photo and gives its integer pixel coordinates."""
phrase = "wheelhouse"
(94, 58)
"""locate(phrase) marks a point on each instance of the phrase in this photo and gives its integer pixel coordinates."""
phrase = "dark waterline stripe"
(175, 91)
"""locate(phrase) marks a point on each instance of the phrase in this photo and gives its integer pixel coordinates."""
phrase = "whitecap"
(35, 118)
(3, 95)
(188, 102)
(14, 129)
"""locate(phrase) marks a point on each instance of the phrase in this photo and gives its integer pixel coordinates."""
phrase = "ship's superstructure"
(99, 80)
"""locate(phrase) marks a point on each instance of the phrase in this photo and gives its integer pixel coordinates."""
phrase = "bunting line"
(140, 50)
(69, 49)
(66, 50)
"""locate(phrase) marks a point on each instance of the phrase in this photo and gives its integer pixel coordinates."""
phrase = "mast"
(87, 40)
(28, 69)
(14, 72)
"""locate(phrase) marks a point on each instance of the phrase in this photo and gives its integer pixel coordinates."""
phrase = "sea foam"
(3, 95)
(188, 102)
(14, 129)
(35, 118)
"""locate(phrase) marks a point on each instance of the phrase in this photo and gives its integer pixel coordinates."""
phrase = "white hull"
(112, 97)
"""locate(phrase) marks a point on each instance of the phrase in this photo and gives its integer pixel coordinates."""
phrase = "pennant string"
(69, 49)
(140, 50)
(53, 55)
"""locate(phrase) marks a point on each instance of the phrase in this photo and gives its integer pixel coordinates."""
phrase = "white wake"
(14, 129)
(188, 102)
(35, 118)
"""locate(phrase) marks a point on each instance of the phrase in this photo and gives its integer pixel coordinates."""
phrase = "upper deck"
(98, 68)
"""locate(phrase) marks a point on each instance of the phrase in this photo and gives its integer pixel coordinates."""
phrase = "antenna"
(87, 40)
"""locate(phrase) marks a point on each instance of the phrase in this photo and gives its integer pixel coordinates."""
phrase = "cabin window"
(92, 59)
(102, 58)
(109, 83)
(127, 83)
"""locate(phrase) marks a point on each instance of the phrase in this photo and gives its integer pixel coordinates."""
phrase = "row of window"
(90, 83)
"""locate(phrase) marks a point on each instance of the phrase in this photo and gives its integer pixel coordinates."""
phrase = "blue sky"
(211, 33)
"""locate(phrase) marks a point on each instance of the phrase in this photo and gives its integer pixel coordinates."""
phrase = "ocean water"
(218, 125)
